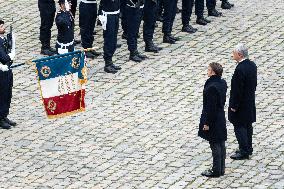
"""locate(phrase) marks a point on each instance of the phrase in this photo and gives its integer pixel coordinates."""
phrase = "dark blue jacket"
(65, 25)
(213, 114)
(242, 94)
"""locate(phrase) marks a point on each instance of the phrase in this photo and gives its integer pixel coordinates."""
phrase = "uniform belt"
(85, 1)
(114, 12)
(133, 6)
(65, 44)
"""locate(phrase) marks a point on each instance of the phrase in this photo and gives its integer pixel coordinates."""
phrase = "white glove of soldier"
(4, 68)
(103, 19)
(67, 5)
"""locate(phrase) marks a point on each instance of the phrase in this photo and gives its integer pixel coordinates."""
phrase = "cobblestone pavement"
(140, 127)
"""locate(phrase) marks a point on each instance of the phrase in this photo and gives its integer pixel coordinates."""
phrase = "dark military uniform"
(87, 21)
(123, 18)
(6, 80)
(47, 11)
(65, 25)
(170, 7)
(150, 18)
(111, 10)
(133, 15)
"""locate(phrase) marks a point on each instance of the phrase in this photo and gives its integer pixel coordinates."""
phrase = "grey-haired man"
(242, 111)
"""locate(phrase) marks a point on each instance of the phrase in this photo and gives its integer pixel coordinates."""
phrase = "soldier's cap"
(1, 21)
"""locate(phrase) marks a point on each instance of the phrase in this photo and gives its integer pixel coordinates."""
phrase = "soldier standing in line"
(187, 6)
(170, 7)
(47, 11)
(110, 24)
(87, 22)
(6, 78)
(150, 17)
(65, 25)
(133, 16)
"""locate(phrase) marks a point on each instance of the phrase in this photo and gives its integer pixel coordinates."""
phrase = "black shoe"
(118, 45)
(134, 56)
(95, 53)
(214, 13)
(168, 39)
(160, 18)
(77, 41)
(124, 35)
(201, 21)
(10, 122)
(142, 56)
(188, 29)
(150, 47)
(239, 156)
(89, 54)
(238, 152)
(178, 10)
(4, 124)
(226, 5)
(209, 173)
(174, 38)
(110, 69)
(47, 52)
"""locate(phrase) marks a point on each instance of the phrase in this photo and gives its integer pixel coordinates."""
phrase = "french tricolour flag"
(62, 80)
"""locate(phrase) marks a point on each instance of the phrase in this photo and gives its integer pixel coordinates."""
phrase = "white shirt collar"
(242, 60)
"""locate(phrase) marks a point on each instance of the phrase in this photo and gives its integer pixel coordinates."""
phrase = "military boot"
(4, 124)
(150, 47)
(134, 55)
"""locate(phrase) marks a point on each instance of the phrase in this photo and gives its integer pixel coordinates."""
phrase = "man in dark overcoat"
(242, 111)
(212, 125)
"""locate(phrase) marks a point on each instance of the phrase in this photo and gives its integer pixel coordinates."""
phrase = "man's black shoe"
(95, 53)
(77, 41)
(209, 173)
(110, 69)
(90, 55)
(214, 13)
(238, 152)
(168, 39)
(151, 48)
(160, 18)
(142, 56)
(188, 29)
(4, 124)
(124, 35)
(226, 5)
(134, 56)
(47, 52)
(239, 156)
(201, 21)
(118, 45)
(174, 38)
(116, 67)
(10, 122)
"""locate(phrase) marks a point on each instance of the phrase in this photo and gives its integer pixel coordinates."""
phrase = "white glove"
(4, 68)
(12, 55)
(103, 19)
(67, 6)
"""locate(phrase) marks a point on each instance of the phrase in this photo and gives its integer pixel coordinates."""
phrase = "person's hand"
(233, 110)
(205, 128)
(4, 68)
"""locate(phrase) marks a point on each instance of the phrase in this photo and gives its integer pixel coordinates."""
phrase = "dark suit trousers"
(219, 156)
(199, 8)
(243, 134)
(210, 4)
(187, 6)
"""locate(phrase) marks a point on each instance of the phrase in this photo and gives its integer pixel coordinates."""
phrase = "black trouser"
(47, 14)
(110, 36)
(210, 4)
(244, 134)
(170, 7)
(123, 18)
(87, 22)
(6, 85)
(187, 6)
(219, 156)
(199, 8)
(150, 17)
(133, 19)
(73, 7)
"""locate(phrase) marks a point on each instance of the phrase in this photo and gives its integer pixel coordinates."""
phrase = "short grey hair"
(241, 48)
